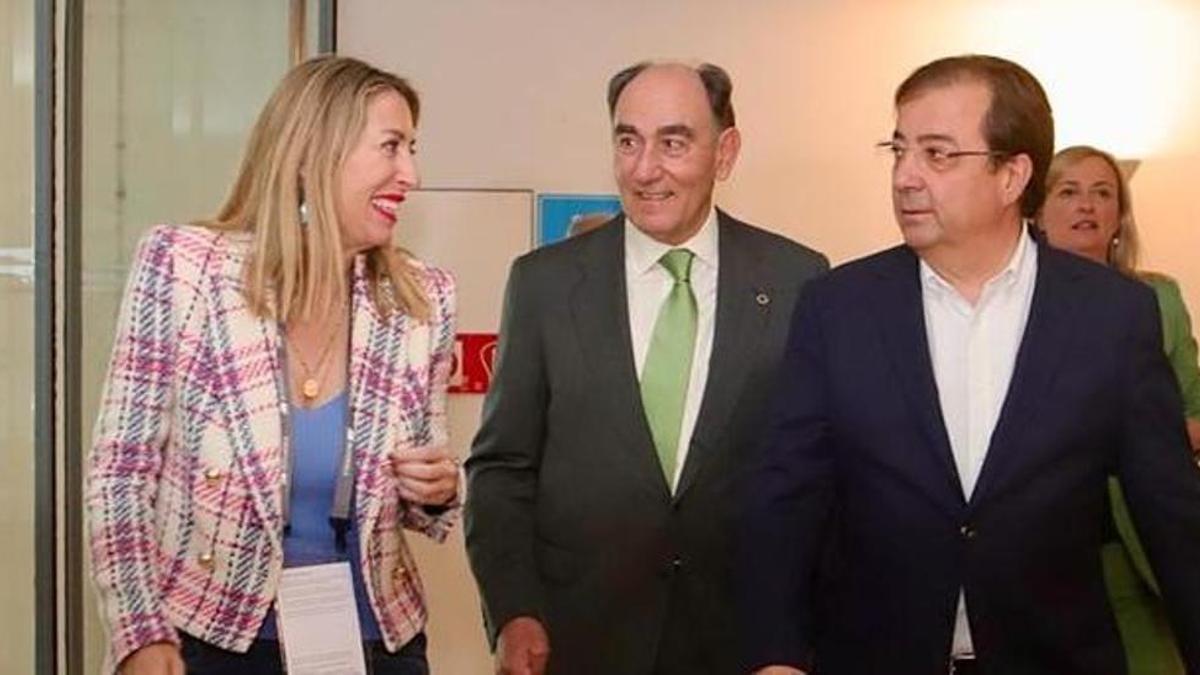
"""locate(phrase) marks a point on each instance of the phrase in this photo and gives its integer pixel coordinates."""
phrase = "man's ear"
(729, 144)
(1018, 172)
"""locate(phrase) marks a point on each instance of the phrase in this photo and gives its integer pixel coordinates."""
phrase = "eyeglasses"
(935, 157)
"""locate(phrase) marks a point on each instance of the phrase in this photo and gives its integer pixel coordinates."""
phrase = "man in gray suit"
(632, 376)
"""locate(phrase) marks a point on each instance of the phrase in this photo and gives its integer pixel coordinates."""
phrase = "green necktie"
(668, 364)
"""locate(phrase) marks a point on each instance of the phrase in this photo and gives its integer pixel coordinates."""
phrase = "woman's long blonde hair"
(1124, 248)
(294, 155)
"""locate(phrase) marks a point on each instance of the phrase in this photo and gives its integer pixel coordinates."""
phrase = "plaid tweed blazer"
(184, 492)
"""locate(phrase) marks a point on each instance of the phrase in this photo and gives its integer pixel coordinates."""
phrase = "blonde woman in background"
(276, 396)
(1088, 211)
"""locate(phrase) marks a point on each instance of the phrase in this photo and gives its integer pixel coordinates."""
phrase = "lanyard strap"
(339, 515)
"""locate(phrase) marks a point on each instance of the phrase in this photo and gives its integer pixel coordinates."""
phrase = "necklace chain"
(310, 387)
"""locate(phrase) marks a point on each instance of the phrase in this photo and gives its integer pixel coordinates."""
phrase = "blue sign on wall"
(556, 213)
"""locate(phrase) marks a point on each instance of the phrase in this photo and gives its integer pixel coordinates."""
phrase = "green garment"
(1178, 341)
(1149, 644)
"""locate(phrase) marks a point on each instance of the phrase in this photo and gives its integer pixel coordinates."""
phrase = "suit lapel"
(1048, 333)
(900, 314)
(743, 311)
(600, 313)
(377, 385)
(249, 348)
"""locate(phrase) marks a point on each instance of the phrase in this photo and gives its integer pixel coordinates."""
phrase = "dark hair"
(1018, 121)
(717, 86)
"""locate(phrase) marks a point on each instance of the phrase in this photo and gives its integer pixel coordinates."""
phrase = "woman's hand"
(427, 475)
(157, 658)
(1193, 429)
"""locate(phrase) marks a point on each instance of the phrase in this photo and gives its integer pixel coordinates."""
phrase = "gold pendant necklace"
(310, 386)
(310, 389)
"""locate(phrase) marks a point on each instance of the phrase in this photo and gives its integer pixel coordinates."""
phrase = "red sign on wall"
(474, 354)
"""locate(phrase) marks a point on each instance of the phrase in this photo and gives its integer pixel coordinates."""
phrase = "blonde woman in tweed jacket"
(290, 308)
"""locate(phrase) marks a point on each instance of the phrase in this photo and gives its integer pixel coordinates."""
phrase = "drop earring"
(303, 213)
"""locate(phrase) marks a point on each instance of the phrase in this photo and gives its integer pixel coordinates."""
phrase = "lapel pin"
(762, 299)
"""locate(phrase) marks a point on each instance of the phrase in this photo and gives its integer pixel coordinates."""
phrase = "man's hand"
(427, 475)
(523, 648)
(779, 670)
(158, 658)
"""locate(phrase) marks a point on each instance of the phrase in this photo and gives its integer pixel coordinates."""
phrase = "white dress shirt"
(974, 349)
(647, 284)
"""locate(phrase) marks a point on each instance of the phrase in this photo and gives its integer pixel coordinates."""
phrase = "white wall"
(513, 96)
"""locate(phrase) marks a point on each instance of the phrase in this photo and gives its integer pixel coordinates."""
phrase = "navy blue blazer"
(856, 536)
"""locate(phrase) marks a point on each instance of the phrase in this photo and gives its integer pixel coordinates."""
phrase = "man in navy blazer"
(930, 496)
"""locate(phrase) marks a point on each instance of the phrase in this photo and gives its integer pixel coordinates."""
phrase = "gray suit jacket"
(569, 518)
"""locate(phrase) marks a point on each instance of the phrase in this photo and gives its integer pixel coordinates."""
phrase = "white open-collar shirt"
(974, 349)
(647, 284)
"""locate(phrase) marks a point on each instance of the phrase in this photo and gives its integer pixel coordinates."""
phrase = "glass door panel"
(17, 375)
